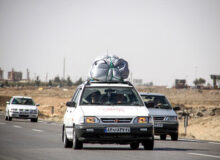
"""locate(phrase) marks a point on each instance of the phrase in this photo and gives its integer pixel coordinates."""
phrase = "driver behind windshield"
(95, 97)
(157, 102)
(120, 99)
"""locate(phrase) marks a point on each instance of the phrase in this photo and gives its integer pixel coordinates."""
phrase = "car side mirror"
(176, 108)
(7, 102)
(71, 104)
(37, 105)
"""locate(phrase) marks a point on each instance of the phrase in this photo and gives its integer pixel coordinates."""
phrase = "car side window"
(76, 92)
(76, 95)
(11, 100)
(15, 101)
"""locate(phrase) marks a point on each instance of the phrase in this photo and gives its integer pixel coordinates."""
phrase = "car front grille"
(24, 110)
(159, 118)
(116, 120)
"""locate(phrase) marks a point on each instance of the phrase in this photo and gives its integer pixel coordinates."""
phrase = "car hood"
(23, 106)
(161, 112)
(115, 111)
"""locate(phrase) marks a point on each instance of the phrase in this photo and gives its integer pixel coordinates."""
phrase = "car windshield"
(154, 101)
(23, 101)
(126, 96)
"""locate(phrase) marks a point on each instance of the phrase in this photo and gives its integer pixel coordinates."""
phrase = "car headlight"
(33, 111)
(91, 120)
(171, 118)
(141, 120)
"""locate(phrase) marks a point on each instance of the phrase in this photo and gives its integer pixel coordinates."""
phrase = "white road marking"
(17, 126)
(205, 155)
(2, 123)
(53, 124)
(180, 139)
(214, 142)
(189, 140)
(37, 130)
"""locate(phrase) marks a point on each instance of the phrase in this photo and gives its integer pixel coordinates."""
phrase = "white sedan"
(21, 107)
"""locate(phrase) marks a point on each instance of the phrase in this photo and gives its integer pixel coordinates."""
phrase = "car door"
(70, 110)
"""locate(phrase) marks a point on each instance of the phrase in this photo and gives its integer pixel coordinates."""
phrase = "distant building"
(215, 78)
(137, 82)
(14, 76)
(180, 83)
(1, 74)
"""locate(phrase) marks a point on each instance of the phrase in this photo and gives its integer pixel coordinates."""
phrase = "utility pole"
(28, 74)
(64, 68)
(46, 76)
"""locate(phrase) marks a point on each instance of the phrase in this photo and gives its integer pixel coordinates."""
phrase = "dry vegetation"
(203, 106)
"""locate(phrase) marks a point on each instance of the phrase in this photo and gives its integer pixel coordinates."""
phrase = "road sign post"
(52, 110)
(186, 122)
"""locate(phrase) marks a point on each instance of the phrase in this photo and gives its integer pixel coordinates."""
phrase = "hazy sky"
(161, 39)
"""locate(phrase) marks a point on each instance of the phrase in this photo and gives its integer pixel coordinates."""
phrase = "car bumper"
(23, 116)
(88, 133)
(165, 127)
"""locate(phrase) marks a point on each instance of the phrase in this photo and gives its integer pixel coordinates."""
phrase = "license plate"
(117, 130)
(23, 113)
(158, 125)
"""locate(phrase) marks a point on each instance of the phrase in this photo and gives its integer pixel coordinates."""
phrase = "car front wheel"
(174, 136)
(163, 137)
(76, 143)
(134, 146)
(9, 118)
(6, 117)
(148, 144)
(34, 119)
(66, 142)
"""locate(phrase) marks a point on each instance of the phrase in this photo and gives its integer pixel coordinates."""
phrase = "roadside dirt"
(203, 106)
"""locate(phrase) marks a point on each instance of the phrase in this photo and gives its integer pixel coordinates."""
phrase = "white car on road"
(165, 118)
(21, 107)
(107, 112)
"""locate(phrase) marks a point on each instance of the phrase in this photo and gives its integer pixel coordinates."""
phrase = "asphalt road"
(23, 140)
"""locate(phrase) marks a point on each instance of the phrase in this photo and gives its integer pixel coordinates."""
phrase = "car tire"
(67, 143)
(149, 144)
(9, 118)
(163, 137)
(34, 119)
(134, 146)
(76, 143)
(6, 117)
(174, 136)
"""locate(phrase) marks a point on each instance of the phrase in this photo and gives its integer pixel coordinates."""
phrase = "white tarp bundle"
(109, 68)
